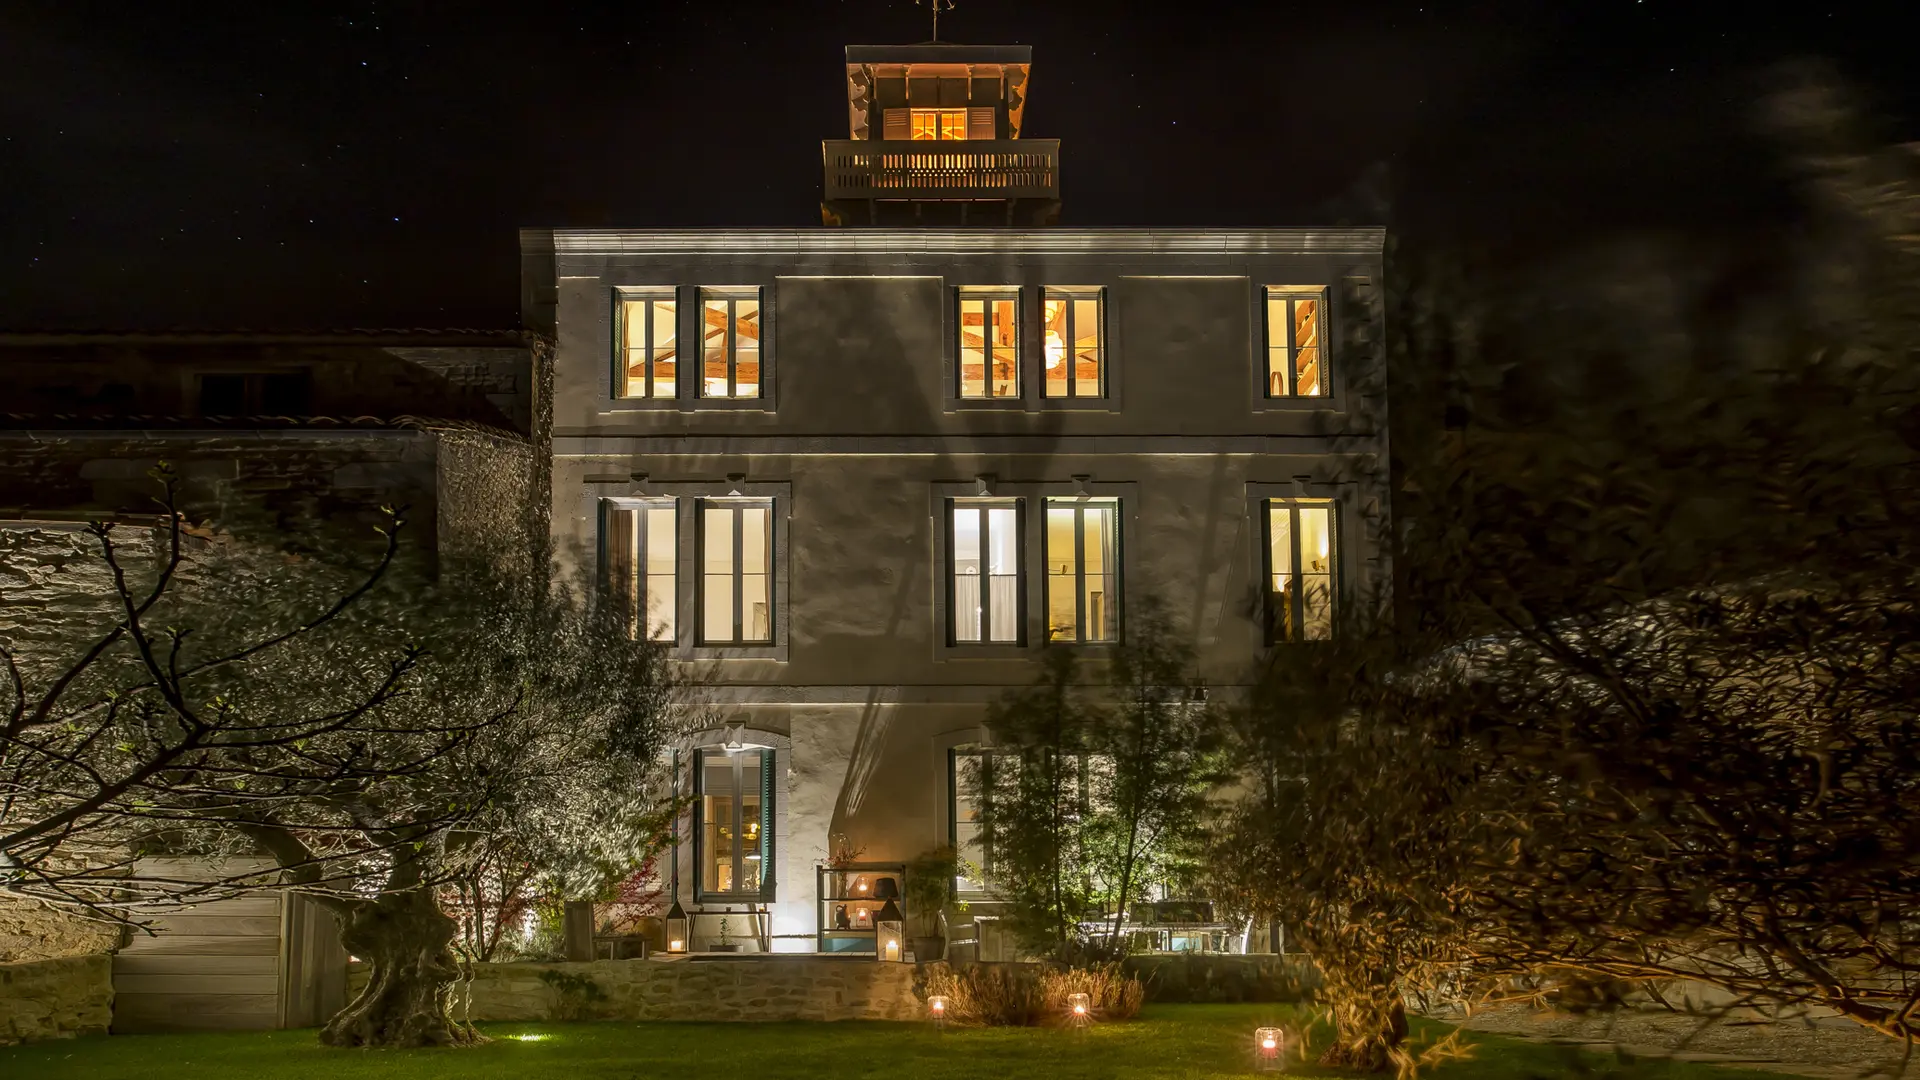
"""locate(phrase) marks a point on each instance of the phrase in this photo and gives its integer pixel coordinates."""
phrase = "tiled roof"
(75, 422)
(417, 336)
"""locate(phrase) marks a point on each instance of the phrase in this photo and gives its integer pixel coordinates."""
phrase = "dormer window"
(274, 393)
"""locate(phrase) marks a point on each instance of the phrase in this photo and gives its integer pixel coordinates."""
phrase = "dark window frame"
(254, 391)
(647, 295)
(1288, 630)
(1080, 504)
(989, 294)
(731, 295)
(1069, 293)
(632, 591)
(768, 885)
(983, 503)
(736, 504)
(1292, 295)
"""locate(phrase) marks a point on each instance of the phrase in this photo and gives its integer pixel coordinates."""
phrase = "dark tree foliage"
(1650, 710)
(1098, 788)
(376, 733)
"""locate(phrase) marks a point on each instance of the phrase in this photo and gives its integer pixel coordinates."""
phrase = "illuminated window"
(984, 572)
(733, 833)
(736, 571)
(1300, 570)
(939, 124)
(640, 546)
(649, 344)
(972, 778)
(979, 778)
(730, 340)
(989, 344)
(1075, 360)
(1296, 352)
(1083, 570)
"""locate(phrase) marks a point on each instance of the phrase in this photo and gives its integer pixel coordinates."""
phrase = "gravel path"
(1828, 1049)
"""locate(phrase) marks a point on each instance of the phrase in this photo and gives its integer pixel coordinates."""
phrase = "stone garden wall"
(31, 932)
(797, 988)
(55, 999)
(812, 987)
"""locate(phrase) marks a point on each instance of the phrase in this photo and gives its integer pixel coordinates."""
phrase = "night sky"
(290, 165)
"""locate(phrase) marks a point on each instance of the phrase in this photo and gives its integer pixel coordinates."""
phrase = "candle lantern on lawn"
(937, 1010)
(889, 930)
(1079, 1009)
(1270, 1049)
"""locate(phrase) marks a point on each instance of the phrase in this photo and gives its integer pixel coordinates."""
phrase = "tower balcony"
(927, 170)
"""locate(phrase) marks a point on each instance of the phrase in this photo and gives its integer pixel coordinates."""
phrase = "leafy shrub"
(546, 940)
(573, 996)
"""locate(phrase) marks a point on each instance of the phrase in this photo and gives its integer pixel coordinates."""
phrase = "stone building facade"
(300, 437)
(857, 479)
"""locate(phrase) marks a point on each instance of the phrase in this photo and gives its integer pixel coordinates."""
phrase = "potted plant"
(726, 942)
(929, 886)
(843, 855)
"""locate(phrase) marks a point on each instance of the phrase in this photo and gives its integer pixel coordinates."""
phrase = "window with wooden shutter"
(898, 125)
(980, 123)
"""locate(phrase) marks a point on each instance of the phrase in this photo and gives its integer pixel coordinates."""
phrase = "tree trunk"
(404, 937)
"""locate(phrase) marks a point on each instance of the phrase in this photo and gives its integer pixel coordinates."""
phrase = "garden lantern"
(677, 928)
(1079, 1008)
(937, 1010)
(889, 930)
(1270, 1048)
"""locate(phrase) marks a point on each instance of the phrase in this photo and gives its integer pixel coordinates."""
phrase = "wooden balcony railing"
(1000, 169)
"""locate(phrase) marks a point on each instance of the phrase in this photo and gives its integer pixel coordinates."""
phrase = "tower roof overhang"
(939, 52)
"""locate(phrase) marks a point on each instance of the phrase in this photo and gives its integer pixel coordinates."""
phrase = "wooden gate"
(266, 960)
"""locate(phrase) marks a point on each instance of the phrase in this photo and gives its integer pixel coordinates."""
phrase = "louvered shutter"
(980, 123)
(899, 125)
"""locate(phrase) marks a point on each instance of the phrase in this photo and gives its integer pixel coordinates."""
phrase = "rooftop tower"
(934, 139)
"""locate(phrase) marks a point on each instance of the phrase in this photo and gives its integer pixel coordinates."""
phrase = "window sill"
(1077, 404)
(729, 898)
(994, 651)
(1094, 647)
(1012, 404)
(732, 652)
(1323, 403)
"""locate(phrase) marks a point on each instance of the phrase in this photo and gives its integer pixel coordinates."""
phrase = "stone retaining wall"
(796, 988)
(29, 931)
(55, 999)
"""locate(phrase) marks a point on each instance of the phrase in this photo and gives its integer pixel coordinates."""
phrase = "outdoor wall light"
(889, 929)
(1270, 1049)
(677, 928)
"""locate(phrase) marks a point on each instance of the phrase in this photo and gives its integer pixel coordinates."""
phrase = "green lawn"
(1188, 1042)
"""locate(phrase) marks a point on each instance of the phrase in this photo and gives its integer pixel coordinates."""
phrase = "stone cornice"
(1055, 241)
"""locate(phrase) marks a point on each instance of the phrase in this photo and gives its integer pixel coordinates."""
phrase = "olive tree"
(374, 730)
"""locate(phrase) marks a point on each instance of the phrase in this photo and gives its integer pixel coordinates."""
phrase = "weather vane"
(936, 5)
